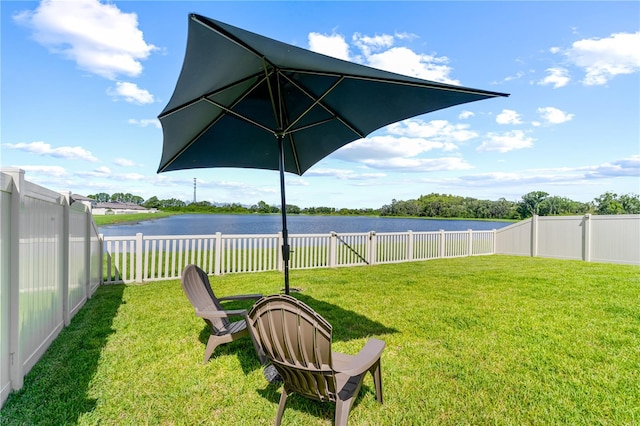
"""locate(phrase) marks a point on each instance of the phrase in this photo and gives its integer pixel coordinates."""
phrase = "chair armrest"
(242, 297)
(221, 314)
(365, 359)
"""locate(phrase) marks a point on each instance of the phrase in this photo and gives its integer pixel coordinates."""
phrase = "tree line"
(432, 205)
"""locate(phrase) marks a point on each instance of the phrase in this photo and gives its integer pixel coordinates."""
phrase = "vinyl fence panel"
(515, 239)
(5, 282)
(47, 247)
(561, 237)
(614, 239)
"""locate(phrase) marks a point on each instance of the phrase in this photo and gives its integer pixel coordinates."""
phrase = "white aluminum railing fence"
(50, 263)
(150, 258)
(610, 238)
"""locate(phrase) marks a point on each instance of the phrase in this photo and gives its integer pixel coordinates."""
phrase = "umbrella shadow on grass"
(347, 325)
(55, 390)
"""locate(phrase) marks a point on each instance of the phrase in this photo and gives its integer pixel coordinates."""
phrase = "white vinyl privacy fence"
(610, 238)
(51, 259)
(148, 258)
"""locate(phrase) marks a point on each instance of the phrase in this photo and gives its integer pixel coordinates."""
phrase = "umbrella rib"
(277, 116)
(212, 93)
(429, 85)
(238, 115)
(191, 142)
(317, 101)
(325, 107)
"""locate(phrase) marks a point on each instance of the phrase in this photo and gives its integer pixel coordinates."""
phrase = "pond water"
(208, 224)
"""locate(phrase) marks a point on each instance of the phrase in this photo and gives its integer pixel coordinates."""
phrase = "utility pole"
(194, 190)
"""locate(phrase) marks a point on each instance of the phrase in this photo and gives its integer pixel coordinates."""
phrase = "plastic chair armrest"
(242, 297)
(222, 314)
(365, 359)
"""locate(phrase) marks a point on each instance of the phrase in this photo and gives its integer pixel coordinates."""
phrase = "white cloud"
(508, 116)
(99, 37)
(131, 93)
(465, 114)
(403, 60)
(603, 59)
(331, 45)
(54, 171)
(558, 77)
(554, 115)
(629, 166)
(369, 44)
(124, 162)
(385, 147)
(343, 174)
(622, 168)
(105, 172)
(145, 122)
(505, 142)
(379, 52)
(419, 164)
(66, 152)
(434, 130)
(516, 76)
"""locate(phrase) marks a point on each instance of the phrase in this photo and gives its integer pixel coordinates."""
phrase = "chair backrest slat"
(299, 343)
(201, 296)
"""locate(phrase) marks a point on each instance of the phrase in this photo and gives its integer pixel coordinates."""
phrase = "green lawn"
(476, 340)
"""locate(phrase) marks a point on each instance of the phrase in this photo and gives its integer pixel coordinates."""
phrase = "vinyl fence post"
(534, 236)
(87, 252)
(280, 244)
(16, 371)
(441, 244)
(586, 238)
(333, 245)
(494, 244)
(139, 278)
(470, 243)
(409, 248)
(218, 262)
(101, 253)
(373, 248)
(64, 258)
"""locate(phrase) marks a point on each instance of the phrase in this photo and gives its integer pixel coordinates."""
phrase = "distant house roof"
(113, 205)
(82, 198)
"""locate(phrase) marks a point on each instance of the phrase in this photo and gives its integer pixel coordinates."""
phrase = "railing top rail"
(178, 237)
(235, 236)
(249, 236)
(121, 238)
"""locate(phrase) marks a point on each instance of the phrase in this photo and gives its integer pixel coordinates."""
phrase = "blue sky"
(82, 83)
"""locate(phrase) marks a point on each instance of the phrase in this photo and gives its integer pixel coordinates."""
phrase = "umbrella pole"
(283, 209)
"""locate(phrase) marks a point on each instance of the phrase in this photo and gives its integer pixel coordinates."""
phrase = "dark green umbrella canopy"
(244, 100)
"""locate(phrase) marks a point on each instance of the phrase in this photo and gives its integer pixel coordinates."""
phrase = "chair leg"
(342, 411)
(377, 380)
(283, 401)
(212, 344)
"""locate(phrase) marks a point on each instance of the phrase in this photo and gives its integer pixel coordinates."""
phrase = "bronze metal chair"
(297, 341)
(197, 288)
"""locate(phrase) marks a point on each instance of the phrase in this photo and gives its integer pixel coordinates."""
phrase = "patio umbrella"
(245, 100)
